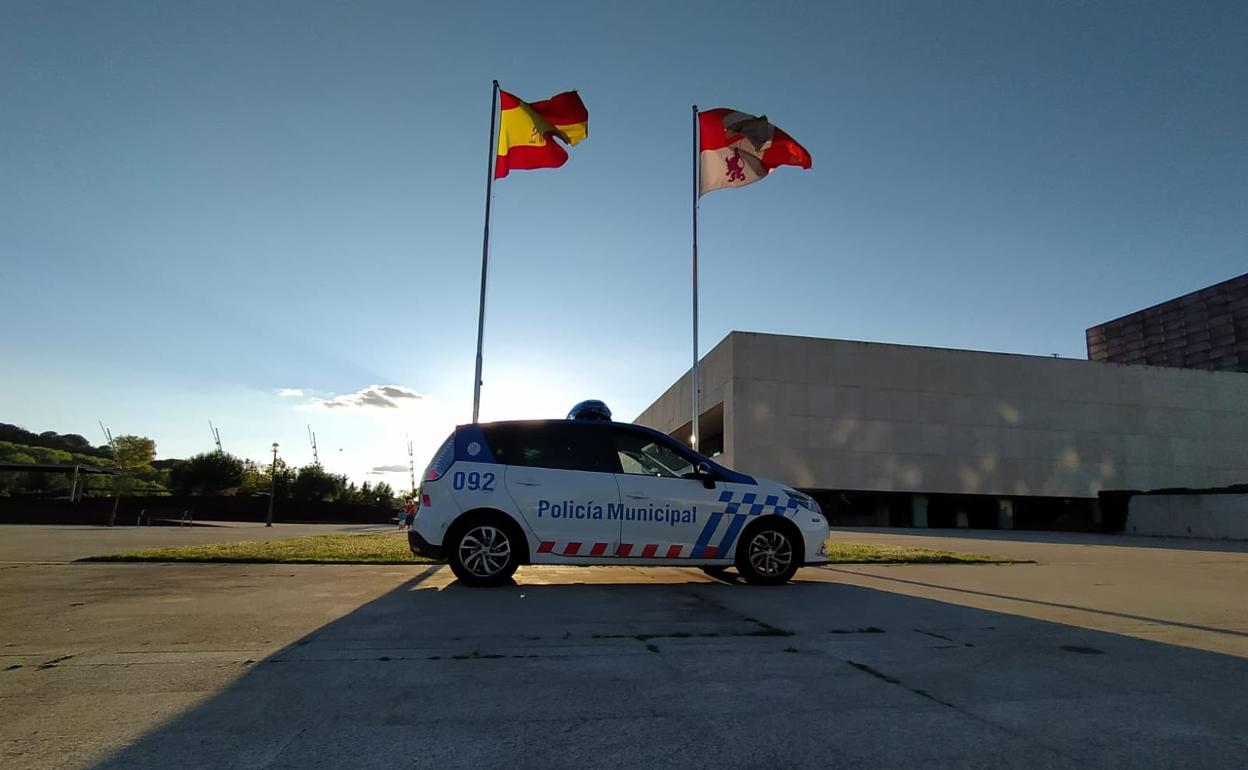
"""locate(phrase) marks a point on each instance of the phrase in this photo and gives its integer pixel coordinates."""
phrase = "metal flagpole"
(694, 371)
(485, 255)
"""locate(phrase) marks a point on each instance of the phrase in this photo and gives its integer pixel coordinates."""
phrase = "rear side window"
(442, 460)
(567, 446)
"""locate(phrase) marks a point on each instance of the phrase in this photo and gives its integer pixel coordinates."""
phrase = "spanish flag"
(526, 131)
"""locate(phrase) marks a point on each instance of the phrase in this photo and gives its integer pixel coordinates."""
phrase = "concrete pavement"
(1099, 655)
(1174, 590)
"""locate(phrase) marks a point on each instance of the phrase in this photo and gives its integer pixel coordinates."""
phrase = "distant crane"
(411, 465)
(312, 438)
(108, 436)
(216, 437)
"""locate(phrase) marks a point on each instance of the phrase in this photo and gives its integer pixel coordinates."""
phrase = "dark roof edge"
(1179, 298)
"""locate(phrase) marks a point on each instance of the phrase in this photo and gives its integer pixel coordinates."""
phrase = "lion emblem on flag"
(735, 166)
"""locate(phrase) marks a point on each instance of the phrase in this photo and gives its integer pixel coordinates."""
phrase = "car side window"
(645, 455)
(560, 446)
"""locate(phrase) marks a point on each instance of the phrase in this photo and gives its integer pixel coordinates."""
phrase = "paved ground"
(1107, 652)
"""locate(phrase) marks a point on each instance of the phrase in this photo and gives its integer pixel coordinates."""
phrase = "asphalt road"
(1107, 652)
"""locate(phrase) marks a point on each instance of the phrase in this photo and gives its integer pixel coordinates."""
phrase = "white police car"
(498, 495)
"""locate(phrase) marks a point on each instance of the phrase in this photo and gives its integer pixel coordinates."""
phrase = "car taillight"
(424, 501)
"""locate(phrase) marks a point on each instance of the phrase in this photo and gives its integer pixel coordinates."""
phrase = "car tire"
(484, 551)
(770, 552)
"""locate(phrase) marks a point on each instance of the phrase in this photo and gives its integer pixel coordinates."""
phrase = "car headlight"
(805, 501)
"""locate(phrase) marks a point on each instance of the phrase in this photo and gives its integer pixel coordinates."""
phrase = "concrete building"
(903, 435)
(1206, 329)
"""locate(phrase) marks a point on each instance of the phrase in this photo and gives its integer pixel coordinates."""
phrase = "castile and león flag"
(736, 149)
(730, 149)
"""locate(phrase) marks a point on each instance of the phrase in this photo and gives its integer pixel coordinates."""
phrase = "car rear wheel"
(769, 554)
(484, 553)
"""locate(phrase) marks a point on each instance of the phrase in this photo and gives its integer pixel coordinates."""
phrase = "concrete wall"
(1213, 516)
(834, 414)
(672, 413)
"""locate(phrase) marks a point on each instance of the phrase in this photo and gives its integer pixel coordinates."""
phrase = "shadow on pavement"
(705, 674)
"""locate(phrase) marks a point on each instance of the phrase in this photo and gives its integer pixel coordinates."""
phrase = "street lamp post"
(268, 520)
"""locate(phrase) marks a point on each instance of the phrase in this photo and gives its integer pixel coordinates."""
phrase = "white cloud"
(378, 396)
(389, 469)
(290, 392)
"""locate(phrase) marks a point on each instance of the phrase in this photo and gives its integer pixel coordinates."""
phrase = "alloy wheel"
(484, 551)
(770, 553)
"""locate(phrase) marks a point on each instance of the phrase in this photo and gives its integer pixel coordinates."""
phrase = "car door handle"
(529, 483)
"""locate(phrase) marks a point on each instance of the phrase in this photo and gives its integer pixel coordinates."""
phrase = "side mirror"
(703, 470)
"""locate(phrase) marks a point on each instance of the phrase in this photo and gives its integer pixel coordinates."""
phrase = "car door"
(559, 474)
(667, 512)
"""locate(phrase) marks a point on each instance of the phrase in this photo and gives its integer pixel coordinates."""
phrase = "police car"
(591, 491)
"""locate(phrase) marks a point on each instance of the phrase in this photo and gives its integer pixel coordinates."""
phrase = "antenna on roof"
(216, 437)
(411, 464)
(312, 438)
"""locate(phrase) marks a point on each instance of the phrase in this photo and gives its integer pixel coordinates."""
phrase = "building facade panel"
(1206, 329)
(867, 417)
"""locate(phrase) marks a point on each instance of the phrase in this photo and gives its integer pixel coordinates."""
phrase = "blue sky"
(203, 204)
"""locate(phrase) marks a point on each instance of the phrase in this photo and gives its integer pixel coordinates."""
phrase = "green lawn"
(861, 553)
(384, 548)
(391, 548)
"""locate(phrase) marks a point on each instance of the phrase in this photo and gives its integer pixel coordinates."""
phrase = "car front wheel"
(484, 553)
(769, 555)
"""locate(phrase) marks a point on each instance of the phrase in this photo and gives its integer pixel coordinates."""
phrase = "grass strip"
(381, 548)
(392, 548)
(863, 553)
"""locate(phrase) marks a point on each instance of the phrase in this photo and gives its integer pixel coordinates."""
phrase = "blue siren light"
(590, 410)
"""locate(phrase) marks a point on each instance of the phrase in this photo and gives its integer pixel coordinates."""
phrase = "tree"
(350, 493)
(70, 442)
(25, 453)
(134, 454)
(75, 443)
(312, 482)
(255, 479)
(208, 473)
(43, 483)
(383, 495)
(285, 477)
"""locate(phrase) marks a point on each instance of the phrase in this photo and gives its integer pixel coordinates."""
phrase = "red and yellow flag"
(526, 131)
